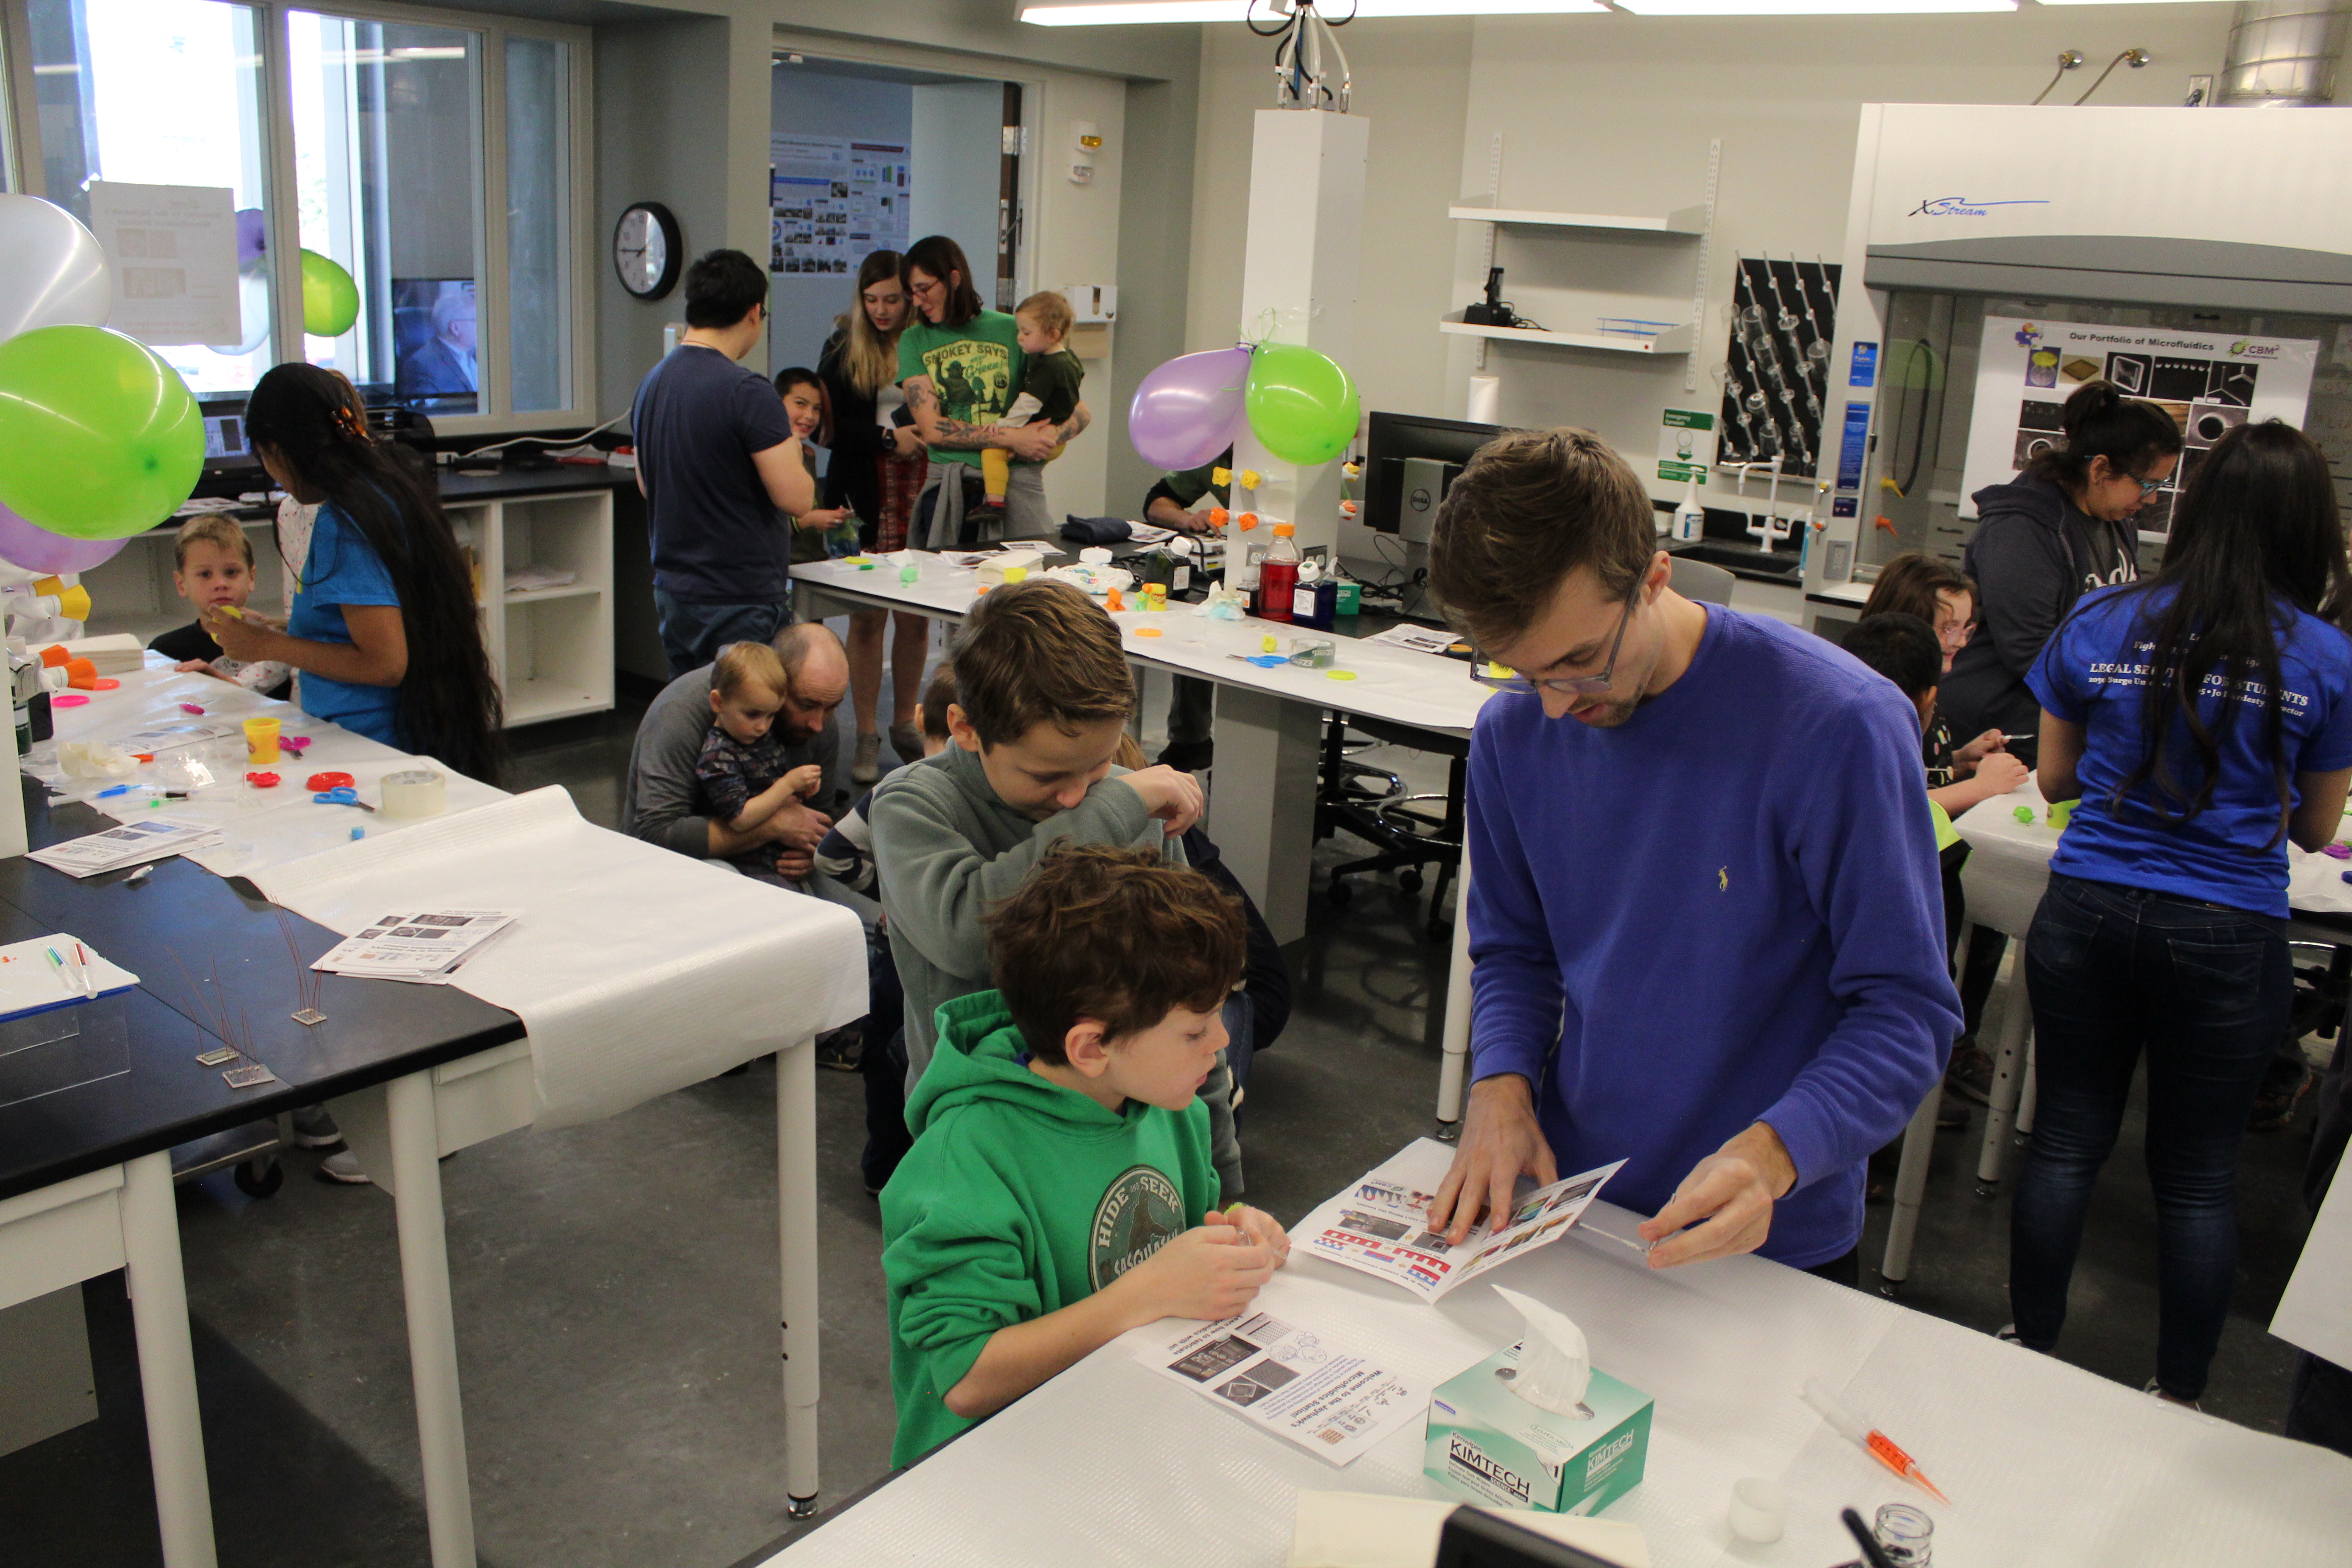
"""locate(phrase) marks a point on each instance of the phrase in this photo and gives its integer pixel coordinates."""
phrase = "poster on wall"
(832, 201)
(172, 251)
(2210, 383)
(1685, 445)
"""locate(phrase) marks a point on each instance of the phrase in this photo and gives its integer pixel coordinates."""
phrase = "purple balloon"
(252, 236)
(38, 550)
(1189, 409)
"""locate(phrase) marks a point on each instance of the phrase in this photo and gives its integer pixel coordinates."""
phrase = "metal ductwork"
(2284, 54)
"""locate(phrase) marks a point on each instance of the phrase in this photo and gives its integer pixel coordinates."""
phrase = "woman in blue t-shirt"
(2201, 719)
(382, 622)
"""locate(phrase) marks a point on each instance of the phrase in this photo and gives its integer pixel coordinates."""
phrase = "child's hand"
(245, 640)
(1173, 797)
(2000, 772)
(1204, 1273)
(804, 781)
(1257, 1225)
(197, 666)
(1984, 745)
(823, 518)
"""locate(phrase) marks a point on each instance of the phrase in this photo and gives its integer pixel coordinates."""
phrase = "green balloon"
(330, 301)
(99, 438)
(1302, 407)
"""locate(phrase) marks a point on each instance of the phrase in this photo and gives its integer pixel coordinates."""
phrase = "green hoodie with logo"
(1018, 1198)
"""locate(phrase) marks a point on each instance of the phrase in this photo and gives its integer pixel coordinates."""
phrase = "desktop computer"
(1409, 461)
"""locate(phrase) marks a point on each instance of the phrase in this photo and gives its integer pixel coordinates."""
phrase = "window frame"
(20, 145)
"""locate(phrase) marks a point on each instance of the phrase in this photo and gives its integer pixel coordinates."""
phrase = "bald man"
(660, 806)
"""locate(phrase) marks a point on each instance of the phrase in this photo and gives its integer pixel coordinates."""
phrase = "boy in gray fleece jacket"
(1043, 694)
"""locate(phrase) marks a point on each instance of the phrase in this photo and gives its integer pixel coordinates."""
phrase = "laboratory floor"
(615, 1291)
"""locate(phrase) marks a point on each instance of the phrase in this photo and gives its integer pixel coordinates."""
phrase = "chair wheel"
(1409, 879)
(260, 1183)
(1339, 893)
(1891, 1288)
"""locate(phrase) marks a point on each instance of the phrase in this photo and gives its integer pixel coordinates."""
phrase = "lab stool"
(1405, 833)
(253, 1149)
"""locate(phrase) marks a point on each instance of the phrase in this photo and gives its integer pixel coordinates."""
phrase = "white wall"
(1613, 112)
(1074, 238)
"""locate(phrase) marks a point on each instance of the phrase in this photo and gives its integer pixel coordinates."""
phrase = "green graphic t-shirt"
(976, 369)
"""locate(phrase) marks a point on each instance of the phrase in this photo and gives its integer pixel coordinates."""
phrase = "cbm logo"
(1965, 206)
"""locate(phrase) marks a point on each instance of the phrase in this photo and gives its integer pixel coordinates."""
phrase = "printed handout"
(1294, 1382)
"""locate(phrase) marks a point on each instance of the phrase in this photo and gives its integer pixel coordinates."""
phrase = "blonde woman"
(877, 472)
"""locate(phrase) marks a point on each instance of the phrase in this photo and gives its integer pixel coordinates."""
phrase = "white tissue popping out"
(1555, 1363)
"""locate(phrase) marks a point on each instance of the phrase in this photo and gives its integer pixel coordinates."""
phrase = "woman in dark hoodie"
(2064, 527)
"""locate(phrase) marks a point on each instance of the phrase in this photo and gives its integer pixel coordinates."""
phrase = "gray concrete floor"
(615, 1291)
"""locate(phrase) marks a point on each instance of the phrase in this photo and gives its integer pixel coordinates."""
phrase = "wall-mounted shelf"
(1677, 342)
(1688, 221)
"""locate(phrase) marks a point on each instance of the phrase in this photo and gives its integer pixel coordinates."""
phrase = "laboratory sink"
(1739, 558)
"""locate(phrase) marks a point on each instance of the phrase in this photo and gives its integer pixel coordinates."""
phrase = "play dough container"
(261, 741)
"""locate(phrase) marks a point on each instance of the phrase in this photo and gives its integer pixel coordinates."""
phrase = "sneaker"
(2163, 1398)
(343, 1166)
(866, 766)
(906, 739)
(988, 510)
(1971, 1073)
(1951, 1116)
(314, 1129)
(2274, 1103)
(841, 1048)
(1188, 756)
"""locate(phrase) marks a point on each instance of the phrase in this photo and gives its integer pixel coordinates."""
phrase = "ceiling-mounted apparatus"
(2284, 54)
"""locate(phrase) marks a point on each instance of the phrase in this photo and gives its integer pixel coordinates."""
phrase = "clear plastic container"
(1277, 575)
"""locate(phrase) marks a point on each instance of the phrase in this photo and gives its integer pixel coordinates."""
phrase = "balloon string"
(1260, 330)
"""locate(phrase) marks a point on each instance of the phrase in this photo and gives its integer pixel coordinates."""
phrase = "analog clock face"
(640, 251)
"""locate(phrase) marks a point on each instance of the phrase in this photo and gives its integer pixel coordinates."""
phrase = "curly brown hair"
(1115, 935)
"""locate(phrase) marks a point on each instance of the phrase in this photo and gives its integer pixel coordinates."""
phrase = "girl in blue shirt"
(383, 624)
(2202, 718)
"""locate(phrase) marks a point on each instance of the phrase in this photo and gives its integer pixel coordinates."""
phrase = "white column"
(1298, 286)
(796, 1204)
(432, 1325)
(1262, 800)
(1453, 1067)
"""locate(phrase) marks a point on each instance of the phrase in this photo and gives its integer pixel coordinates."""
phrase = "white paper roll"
(1486, 400)
(419, 791)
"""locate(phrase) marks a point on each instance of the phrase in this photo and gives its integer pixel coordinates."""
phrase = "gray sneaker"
(343, 1166)
(314, 1129)
(866, 766)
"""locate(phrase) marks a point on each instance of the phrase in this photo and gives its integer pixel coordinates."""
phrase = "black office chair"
(1404, 832)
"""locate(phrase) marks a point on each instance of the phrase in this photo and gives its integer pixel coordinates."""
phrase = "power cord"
(543, 440)
(2068, 59)
(2138, 57)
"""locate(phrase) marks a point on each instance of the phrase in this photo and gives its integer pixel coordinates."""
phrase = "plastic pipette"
(1879, 1446)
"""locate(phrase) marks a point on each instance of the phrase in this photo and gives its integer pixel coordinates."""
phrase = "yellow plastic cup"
(261, 741)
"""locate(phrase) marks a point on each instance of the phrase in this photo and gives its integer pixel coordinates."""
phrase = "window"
(436, 165)
(161, 92)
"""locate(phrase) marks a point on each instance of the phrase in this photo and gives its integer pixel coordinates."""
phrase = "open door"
(1008, 199)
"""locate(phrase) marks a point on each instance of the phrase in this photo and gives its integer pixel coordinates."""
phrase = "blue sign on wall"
(1866, 366)
(1852, 446)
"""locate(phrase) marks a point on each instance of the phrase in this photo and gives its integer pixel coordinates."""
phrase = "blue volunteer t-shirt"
(2094, 672)
(699, 420)
(343, 568)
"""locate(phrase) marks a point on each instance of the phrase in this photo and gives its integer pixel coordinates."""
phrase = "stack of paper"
(149, 838)
(531, 578)
(423, 946)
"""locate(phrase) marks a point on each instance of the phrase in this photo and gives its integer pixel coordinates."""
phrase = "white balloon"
(56, 275)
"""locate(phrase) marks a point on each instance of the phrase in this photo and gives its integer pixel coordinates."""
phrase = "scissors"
(344, 795)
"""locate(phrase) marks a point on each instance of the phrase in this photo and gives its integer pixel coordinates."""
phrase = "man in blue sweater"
(1706, 917)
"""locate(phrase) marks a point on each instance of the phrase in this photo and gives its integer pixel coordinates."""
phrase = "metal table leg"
(1910, 1188)
(167, 1363)
(1453, 1067)
(796, 1204)
(415, 1137)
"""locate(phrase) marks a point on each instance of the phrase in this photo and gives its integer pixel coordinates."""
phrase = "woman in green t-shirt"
(959, 365)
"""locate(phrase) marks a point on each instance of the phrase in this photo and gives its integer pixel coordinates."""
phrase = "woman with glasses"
(1959, 777)
(2203, 720)
(2064, 527)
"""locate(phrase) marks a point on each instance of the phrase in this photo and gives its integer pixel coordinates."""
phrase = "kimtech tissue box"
(1488, 1443)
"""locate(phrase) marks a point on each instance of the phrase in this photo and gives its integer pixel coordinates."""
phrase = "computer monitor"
(227, 450)
(1409, 460)
(433, 342)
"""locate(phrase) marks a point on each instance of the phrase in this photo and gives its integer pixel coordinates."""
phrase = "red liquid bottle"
(1278, 576)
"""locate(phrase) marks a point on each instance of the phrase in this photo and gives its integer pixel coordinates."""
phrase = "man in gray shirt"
(661, 805)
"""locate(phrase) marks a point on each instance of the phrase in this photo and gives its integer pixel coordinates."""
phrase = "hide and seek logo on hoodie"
(1140, 1212)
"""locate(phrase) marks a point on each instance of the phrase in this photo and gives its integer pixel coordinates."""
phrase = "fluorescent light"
(1811, 7)
(1112, 12)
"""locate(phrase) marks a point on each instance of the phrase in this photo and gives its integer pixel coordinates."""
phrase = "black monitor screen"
(1394, 437)
(432, 344)
(224, 443)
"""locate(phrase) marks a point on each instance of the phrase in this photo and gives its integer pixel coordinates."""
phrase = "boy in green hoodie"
(1059, 1192)
(1042, 695)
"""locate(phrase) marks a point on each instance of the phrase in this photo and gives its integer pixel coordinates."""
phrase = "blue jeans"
(692, 635)
(2205, 992)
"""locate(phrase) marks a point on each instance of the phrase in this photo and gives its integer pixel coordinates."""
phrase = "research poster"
(2210, 383)
(172, 251)
(833, 200)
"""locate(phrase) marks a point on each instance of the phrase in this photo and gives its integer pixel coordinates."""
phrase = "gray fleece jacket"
(661, 806)
(948, 850)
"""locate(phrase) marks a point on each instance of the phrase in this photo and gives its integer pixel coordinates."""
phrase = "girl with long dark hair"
(2201, 720)
(383, 625)
(877, 472)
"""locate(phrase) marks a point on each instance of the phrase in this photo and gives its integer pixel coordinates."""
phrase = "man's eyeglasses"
(1502, 678)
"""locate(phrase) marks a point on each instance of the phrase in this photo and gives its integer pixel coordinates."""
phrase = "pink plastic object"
(196, 708)
(298, 744)
(2340, 851)
(68, 700)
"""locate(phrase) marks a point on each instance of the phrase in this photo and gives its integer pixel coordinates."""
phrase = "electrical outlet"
(2200, 93)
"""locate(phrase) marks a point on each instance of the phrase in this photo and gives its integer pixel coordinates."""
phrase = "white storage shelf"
(1675, 341)
(1690, 221)
(552, 649)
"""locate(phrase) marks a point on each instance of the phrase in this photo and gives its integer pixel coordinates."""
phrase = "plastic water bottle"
(1277, 575)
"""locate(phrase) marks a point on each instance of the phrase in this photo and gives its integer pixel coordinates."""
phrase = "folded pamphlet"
(423, 946)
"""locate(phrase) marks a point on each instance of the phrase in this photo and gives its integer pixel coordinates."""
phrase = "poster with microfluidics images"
(2210, 383)
(833, 200)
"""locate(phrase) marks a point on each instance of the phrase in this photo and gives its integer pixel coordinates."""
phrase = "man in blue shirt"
(723, 474)
(1707, 914)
